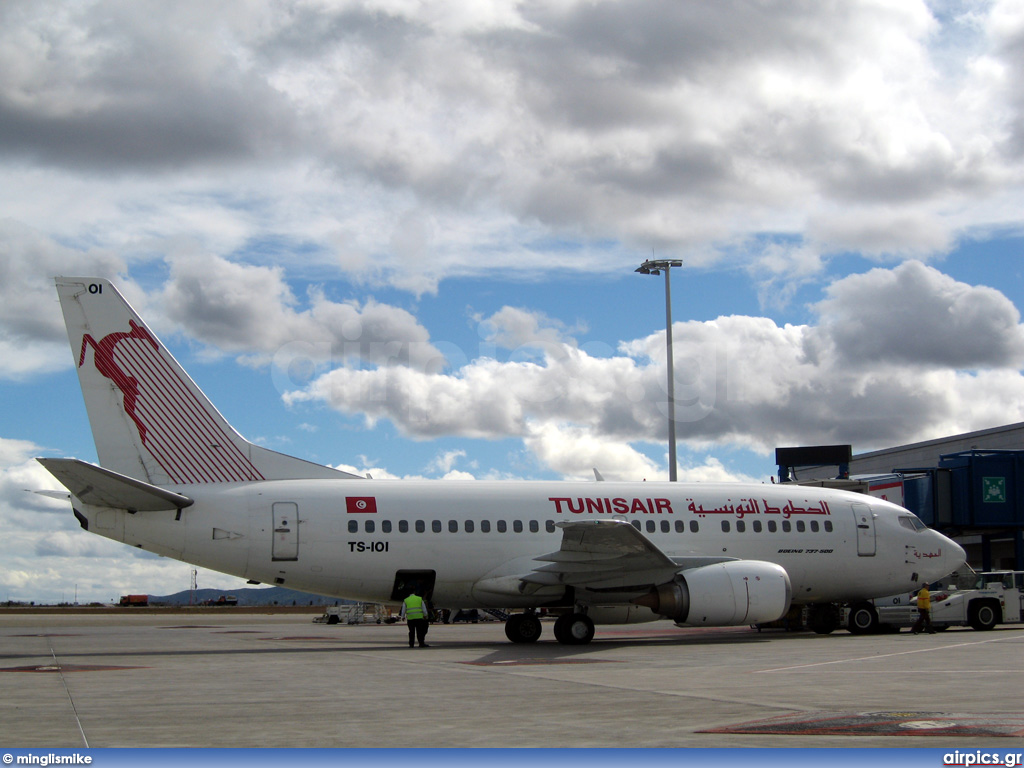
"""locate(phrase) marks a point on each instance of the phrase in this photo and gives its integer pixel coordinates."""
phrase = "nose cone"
(953, 556)
(944, 557)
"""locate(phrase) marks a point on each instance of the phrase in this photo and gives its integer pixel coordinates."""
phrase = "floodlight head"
(657, 266)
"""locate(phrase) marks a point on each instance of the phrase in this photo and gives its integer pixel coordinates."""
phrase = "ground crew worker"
(415, 609)
(924, 611)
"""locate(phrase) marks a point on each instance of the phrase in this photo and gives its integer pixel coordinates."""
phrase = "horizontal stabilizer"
(104, 488)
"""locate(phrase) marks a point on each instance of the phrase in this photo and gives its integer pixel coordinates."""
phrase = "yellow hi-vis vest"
(924, 599)
(414, 607)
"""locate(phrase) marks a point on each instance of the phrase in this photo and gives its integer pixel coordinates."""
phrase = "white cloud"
(573, 452)
(445, 462)
(916, 316)
(898, 355)
(250, 308)
(406, 143)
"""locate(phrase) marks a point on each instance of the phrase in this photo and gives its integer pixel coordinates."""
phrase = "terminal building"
(969, 487)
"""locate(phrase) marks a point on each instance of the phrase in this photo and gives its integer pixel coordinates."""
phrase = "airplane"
(174, 478)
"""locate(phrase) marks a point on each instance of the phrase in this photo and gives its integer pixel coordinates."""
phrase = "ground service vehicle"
(982, 601)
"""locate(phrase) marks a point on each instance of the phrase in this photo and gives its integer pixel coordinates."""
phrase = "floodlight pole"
(654, 267)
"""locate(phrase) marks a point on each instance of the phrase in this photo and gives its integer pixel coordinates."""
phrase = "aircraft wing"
(609, 555)
(104, 488)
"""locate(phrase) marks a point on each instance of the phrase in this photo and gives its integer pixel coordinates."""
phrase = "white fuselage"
(348, 538)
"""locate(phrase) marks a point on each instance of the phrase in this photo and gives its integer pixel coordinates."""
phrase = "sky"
(400, 237)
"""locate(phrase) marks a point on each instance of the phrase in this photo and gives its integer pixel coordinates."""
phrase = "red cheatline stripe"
(122, 380)
(178, 463)
(180, 430)
(177, 466)
(201, 428)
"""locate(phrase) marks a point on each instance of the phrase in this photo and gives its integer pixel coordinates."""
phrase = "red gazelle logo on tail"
(103, 354)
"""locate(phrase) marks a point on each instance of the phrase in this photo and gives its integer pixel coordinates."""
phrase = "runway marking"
(930, 649)
(67, 668)
(537, 661)
(67, 690)
(881, 724)
(241, 632)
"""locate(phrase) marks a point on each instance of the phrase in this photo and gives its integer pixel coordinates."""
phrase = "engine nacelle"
(621, 614)
(725, 594)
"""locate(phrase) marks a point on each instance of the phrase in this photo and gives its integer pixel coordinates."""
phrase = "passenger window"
(517, 526)
(814, 526)
(757, 526)
(534, 526)
(828, 526)
(549, 526)
(651, 526)
(435, 526)
(800, 526)
(453, 526)
(485, 526)
(694, 526)
(725, 526)
(369, 526)
(353, 526)
(665, 526)
(741, 526)
(469, 526)
(420, 526)
(635, 524)
(772, 526)
(680, 526)
(502, 527)
(403, 526)
(786, 526)
(385, 526)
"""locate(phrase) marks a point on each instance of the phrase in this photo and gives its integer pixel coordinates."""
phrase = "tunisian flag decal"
(354, 504)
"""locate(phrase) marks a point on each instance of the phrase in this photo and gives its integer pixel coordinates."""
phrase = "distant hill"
(254, 596)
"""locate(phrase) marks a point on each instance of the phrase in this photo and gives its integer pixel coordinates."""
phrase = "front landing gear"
(574, 629)
(523, 628)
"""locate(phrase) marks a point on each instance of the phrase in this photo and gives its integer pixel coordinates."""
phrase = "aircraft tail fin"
(149, 419)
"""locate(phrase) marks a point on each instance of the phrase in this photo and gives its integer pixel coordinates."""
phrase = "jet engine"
(725, 594)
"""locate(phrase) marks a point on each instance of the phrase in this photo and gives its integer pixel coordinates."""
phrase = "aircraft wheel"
(823, 619)
(522, 628)
(574, 629)
(863, 619)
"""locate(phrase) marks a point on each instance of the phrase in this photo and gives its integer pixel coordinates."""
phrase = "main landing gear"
(570, 628)
(574, 629)
(523, 627)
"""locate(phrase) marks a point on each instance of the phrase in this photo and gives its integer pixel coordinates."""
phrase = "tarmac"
(237, 679)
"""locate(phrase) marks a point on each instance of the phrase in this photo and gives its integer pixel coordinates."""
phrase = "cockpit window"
(913, 522)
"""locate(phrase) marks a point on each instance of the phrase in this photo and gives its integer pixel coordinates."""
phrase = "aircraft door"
(286, 531)
(865, 522)
(409, 581)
